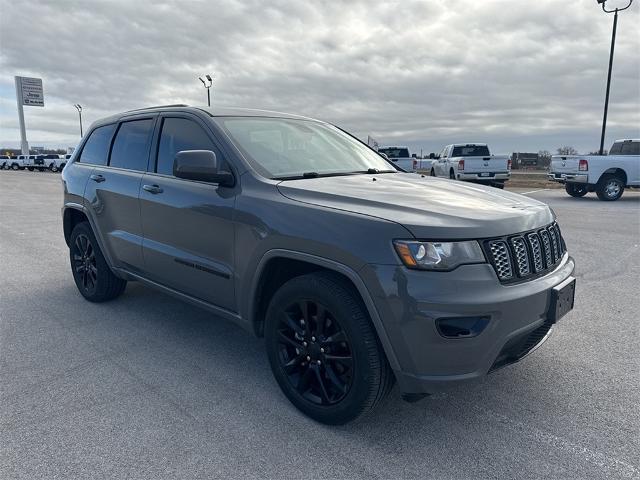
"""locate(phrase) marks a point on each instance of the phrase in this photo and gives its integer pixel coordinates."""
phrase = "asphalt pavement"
(149, 387)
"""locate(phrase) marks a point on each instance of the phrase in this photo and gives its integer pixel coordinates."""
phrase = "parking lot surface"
(149, 387)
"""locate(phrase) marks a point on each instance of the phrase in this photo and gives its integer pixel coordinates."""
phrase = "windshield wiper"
(331, 174)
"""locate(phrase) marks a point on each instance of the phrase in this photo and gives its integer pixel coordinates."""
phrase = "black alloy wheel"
(84, 263)
(91, 273)
(314, 353)
(323, 349)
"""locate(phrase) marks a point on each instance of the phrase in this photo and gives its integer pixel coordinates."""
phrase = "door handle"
(152, 189)
(97, 178)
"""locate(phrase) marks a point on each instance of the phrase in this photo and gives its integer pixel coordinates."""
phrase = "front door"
(188, 225)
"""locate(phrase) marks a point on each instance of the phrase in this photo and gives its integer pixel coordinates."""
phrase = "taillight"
(509, 164)
(461, 164)
(583, 165)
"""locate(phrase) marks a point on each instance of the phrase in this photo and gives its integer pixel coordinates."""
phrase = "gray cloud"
(521, 75)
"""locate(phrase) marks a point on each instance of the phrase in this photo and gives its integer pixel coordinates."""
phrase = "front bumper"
(568, 177)
(409, 303)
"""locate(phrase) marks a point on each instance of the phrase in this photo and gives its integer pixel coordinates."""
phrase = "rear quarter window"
(96, 148)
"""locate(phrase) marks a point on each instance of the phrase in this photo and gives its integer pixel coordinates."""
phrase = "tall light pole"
(613, 43)
(207, 85)
(79, 108)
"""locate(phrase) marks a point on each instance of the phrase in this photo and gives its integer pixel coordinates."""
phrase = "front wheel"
(323, 350)
(53, 168)
(93, 277)
(15, 166)
(576, 189)
(30, 169)
(610, 188)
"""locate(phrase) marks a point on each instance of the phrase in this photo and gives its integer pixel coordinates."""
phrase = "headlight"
(438, 255)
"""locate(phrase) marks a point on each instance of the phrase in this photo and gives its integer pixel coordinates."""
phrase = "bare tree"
(566, 150)
(544, 157)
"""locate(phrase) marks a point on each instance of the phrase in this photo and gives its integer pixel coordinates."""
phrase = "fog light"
(461, 327)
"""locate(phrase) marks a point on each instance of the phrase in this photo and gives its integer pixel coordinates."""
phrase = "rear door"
(188, 225)
(113, 188)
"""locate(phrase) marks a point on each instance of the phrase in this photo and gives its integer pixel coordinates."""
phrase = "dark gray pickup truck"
(357, 275)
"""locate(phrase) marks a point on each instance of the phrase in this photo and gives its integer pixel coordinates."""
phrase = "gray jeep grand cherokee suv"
(356, 274)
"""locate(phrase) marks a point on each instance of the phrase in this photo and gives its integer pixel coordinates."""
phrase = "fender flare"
(345, 270)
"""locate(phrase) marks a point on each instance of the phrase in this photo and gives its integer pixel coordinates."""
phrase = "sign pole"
(24, 145)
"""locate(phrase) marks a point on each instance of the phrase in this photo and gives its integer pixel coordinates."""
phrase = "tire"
(610, 188)
(452, 175)
(94, 279)
(576, 189)
(30, 169)
(353, 376)
(15, 166)
(53, 168)
(432, 173)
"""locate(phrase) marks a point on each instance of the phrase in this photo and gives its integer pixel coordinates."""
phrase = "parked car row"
(49, 161)
(470, 162)
(606, 175)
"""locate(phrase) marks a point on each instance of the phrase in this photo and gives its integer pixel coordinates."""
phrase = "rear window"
(471, 151)
(395, 152)
(131, 146)
(96, 149)
(625, 148)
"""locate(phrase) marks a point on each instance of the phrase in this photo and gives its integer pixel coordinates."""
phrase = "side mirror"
(201, 165)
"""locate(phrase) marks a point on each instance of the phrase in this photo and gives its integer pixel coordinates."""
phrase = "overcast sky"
(520, 75)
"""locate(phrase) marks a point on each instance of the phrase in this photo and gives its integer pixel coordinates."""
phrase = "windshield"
(471, 151)
(280, 148)
(392, 152)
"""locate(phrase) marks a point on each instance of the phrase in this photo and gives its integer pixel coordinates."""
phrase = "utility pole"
(79, 108)
(24, 144)
(207, 85)
(613, 44)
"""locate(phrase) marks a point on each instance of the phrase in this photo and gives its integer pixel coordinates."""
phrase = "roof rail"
(157, 106)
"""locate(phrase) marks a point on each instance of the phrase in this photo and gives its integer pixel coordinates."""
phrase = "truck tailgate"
(564, 164)
(490, 164)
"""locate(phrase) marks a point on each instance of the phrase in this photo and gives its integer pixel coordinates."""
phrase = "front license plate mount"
(562, 299)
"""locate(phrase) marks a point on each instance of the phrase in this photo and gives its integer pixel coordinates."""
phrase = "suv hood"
(430, 208)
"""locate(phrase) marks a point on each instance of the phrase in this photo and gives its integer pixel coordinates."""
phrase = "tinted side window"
(96, 149)
(131, 146)
(180, 134)
(631, 148)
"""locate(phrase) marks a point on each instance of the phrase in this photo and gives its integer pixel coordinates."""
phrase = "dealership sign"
(31, 90)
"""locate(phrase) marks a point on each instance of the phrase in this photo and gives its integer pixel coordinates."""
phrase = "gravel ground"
(149, 387)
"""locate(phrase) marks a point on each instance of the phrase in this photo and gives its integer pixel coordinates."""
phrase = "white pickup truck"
(607, 175)
(472, 162)
(401, 157)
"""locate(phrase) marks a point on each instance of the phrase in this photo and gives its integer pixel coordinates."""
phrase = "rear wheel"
(452, 174)
(323, 350)
(14, 166)
(53, 167)
(94, 279)
(30, 169)
(576, 189)
(610, 188)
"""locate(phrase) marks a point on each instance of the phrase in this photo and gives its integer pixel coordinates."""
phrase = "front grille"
(523, 256)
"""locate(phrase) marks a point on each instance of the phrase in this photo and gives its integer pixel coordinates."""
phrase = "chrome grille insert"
(536, 250)
(501, 261)
(521, 258)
